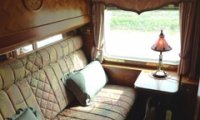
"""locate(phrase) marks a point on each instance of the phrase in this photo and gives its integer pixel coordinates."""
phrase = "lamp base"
(160, 74)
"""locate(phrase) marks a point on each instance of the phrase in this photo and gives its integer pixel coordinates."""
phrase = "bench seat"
(35, 81)
(113, 102)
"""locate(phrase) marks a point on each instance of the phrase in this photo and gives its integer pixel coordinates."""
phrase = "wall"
(24, 21)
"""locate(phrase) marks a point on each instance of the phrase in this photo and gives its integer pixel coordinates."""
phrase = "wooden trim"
(139, 64)
(121, 75)
(28, 36)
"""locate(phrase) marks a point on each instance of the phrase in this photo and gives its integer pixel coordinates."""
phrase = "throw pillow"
(24, 114)
(86, 83)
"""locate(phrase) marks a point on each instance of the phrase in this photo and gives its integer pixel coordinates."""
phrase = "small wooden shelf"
(146, 81)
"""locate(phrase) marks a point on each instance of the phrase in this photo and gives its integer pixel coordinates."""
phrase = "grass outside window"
(129, 36)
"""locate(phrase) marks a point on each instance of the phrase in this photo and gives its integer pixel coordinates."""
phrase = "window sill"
(139, 64)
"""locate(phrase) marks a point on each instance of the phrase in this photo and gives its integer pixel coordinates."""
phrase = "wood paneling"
(23, 21)
(186, 100)
(88, 43)
(197, 112)
(121, 75)
(168, 85)
(30, 35)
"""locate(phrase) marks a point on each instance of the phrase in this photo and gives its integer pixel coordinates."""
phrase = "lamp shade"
(161, 44)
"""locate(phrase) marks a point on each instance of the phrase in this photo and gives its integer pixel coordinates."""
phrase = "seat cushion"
(113, 102)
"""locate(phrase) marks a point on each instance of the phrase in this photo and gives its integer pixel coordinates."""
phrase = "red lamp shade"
(161, 44)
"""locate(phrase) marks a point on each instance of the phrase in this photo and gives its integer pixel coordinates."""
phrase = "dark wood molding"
(186, 99)
(139, 64)
(29, 36)
(25, 21)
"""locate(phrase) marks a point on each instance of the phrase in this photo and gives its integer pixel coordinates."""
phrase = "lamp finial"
(161, 34)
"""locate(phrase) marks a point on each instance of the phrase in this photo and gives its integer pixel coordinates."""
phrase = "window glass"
(49, 40)
(25, 49)
(130, 36)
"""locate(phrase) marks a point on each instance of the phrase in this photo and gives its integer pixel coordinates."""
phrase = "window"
(49, 40)
(21, 51)
(130, 36)
(25, 49)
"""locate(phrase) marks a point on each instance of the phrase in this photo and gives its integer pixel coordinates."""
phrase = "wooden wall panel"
(33, 17)
(197, 111)
(121, 75)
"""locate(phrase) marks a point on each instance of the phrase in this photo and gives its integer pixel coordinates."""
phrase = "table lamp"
(160, 45)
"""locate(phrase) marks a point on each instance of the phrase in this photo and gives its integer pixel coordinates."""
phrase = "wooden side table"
(161, 90)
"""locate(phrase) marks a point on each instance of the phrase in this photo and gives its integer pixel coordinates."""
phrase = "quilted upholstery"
(17, 96)
(1, 118)
(44, 94)
(35, 81)
(113, 102)
(41, 71)
(7, 76)
(46, 84)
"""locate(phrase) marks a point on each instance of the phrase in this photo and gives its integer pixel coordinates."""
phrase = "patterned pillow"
(25, 114)
(86, 83)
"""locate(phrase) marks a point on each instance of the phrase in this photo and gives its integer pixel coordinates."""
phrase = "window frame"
(42, 41)
(17, 53)
(109, 59)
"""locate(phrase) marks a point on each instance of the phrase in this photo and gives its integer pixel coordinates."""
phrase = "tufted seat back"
(34, 80)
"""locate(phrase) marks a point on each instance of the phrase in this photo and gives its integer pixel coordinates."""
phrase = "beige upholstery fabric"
(7, 109)
(57, 69)
(46, 84)
(19, 70)
(113, 102)
(35, 81)
(17, 96)
(44, 94)
(28, 95)
(1, 118)
(56, 87)
(1, 83)
(32, 62)
(7, 76)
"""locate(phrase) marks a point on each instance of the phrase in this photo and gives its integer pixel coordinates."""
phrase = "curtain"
(139, 5)
(190, 39)
(98, 30)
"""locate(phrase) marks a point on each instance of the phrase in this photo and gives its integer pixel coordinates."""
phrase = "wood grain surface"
(23, 21)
